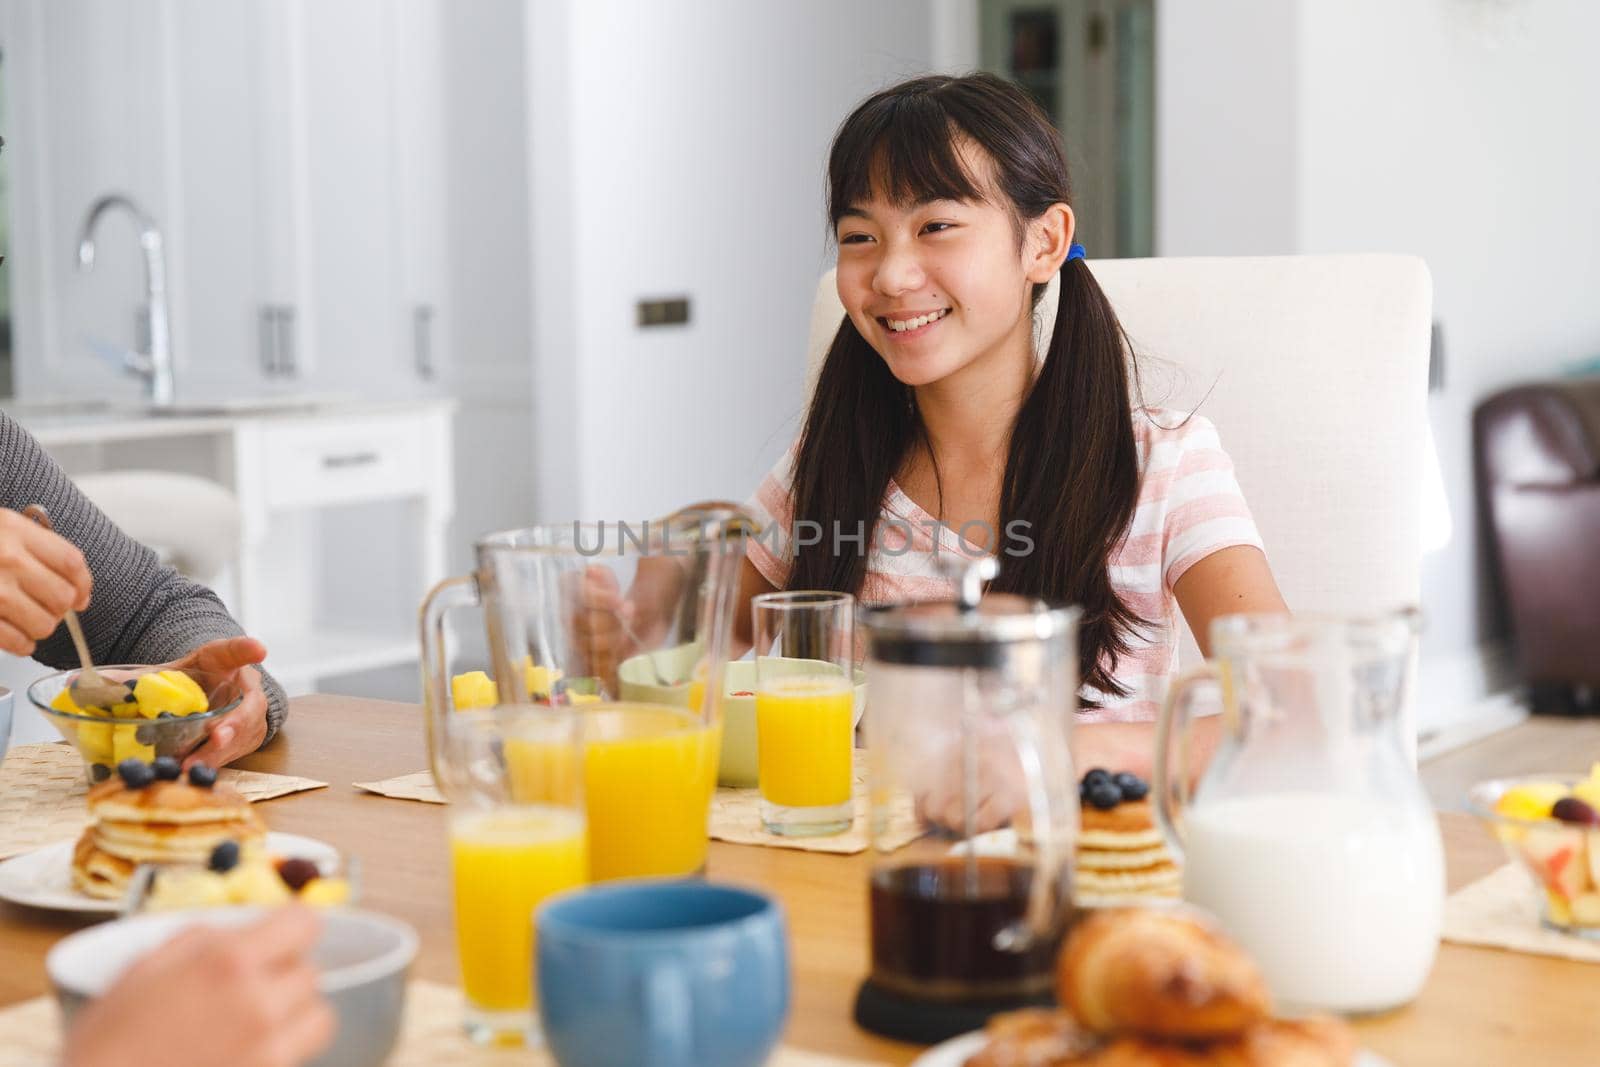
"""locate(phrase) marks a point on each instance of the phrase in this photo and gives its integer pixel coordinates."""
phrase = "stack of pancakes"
(1122, 857)
(164, 822)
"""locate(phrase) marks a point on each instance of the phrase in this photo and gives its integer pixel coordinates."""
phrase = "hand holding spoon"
(89, 689)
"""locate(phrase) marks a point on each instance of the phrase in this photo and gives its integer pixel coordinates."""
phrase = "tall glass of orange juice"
(651, 771)
(518, 834)
(648, 772)
(805, 734)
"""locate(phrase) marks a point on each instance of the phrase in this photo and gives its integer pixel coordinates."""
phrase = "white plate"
(43, 878)
(954, 1053)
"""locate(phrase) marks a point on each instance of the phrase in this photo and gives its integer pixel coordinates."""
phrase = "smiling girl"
(933, 413)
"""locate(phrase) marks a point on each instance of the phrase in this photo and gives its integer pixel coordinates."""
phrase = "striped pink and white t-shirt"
(1189, 507)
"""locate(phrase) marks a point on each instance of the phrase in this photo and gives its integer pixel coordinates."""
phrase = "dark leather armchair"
(1538, 471)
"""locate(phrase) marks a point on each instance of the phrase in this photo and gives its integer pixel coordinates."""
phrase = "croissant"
(1158, 973)
(1318, 1042)
(1032, 1037)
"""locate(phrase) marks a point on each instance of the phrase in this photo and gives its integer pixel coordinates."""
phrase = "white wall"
(1458, 131)
(488, 332)
(680, 150)
(1227, 169)
(1464, 133)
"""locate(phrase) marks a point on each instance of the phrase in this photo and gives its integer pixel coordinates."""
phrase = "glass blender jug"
(967, 734)
(628, 624)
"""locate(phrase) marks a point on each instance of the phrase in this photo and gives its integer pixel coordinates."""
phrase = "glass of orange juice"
(648, 773)
(518, 834)
(805, 733)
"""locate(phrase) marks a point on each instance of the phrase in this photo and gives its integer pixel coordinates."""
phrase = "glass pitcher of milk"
(1308, 834)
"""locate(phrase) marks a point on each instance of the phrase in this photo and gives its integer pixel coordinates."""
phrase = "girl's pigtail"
(1073, 469)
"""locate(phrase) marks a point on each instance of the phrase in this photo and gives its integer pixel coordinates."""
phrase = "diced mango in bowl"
(164, 711)
(169, 691)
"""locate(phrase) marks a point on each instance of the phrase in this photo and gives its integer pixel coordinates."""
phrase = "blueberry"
(1105, 795)
(145, 733)
(128, 697)
(166, 768)
(135, 773)
(202, 776)
(99, 771)
(1133, 787)
(225, 857)
(165, 715)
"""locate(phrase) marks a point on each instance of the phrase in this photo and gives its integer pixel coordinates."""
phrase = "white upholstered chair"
(192, 523)
(1314, 369)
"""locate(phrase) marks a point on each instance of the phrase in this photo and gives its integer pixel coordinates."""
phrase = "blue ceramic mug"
(665, 973)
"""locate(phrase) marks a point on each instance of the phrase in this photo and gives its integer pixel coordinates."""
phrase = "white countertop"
(66, 421)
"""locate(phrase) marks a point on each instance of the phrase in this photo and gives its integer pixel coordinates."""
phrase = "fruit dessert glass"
(1550, 825)
(168, 712)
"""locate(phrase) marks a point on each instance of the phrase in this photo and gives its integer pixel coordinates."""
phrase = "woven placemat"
(735, 815)
(30, 1036)
(432, 1035)
(1501, 910)
(736, 818)
(42, 790)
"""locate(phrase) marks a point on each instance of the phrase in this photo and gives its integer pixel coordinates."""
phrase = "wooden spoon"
(90, 689)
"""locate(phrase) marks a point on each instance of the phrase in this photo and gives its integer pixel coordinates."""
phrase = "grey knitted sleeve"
(142, 611)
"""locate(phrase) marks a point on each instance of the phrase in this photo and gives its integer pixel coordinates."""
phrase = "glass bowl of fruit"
(283, 870)
(1550, 826)
(166, 712)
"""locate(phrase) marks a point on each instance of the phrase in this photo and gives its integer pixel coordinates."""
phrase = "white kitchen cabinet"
(344, 516)
(289, 153)
(229, 255)
(84, 115)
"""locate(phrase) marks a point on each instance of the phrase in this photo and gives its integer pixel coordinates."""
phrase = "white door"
(228, 242)
(350, 313)
(417, 155)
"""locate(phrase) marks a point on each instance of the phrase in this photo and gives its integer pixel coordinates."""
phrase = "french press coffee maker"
(967, 749)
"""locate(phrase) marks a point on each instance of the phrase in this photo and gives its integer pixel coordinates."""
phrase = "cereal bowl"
(164, 718)
(1551, 829)
(362, 959)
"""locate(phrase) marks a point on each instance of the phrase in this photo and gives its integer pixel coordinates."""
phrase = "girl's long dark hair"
(1072, 471)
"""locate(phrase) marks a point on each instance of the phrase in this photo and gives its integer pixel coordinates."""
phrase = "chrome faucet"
(154, 363)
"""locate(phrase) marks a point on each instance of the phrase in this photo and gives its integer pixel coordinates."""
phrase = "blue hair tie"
(1075, 252)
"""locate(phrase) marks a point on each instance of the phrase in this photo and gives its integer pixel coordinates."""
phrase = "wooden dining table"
(1480, 1006)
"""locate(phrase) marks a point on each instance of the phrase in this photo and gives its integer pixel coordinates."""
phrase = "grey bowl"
(5, 721)
(363, 956)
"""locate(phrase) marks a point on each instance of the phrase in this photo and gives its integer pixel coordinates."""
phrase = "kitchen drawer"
(315, 461)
